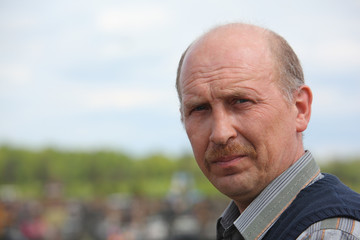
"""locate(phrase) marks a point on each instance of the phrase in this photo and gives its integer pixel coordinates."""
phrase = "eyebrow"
(234, 92)
(239, 91)
(194, 102)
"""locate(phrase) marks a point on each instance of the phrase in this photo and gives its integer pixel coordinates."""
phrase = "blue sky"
(100, 74)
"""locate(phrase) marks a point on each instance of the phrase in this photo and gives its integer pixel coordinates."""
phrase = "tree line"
(86, 174)
(94, 173)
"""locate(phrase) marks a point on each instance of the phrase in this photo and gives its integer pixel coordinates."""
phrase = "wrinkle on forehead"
(238, 85)
(207, 75)
(232, 52)
(213, 74)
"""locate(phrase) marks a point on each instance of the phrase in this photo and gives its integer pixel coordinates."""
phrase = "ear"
(303, 99)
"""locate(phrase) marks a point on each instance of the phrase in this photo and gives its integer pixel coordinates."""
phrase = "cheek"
(260, 131)
(271, 134)
(265, 124)
(198, 138)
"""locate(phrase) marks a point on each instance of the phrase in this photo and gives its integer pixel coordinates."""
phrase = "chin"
(231, 185)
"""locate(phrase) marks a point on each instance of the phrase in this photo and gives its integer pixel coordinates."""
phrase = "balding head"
(285, 62)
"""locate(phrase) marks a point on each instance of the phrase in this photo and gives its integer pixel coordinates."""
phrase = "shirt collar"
(266, 208)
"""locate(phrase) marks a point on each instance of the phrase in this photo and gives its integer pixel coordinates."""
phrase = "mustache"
(231, 149)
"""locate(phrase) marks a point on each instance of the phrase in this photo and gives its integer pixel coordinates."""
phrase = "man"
(244, 106)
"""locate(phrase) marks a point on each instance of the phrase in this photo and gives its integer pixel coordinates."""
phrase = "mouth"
(227, 161)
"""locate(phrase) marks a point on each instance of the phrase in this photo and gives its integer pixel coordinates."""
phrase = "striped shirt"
(255, 221)
(333, 229)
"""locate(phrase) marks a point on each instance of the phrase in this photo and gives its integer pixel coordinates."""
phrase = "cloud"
(112, 64)
(135, 18)
(338, 54)
(122, 99)
(332, 100)
(15, 74)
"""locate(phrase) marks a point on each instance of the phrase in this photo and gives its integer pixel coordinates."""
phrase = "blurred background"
(91, 143)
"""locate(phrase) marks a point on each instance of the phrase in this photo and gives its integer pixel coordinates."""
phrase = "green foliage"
(347, 171)
(100, 173)
(94, 174)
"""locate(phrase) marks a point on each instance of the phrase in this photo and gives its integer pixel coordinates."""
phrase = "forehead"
(235, 55)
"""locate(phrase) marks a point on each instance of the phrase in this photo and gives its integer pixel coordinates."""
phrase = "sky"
(100, 74)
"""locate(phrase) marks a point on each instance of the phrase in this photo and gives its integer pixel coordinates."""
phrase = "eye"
(242, 103)
(199, 108)
(236, 101)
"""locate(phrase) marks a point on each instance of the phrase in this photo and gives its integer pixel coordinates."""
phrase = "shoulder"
(328, 192)
(332, 228)
(325, 199)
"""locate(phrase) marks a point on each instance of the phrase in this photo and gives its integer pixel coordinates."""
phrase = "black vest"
(326, 198)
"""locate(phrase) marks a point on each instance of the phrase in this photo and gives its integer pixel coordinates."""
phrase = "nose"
(222, 127)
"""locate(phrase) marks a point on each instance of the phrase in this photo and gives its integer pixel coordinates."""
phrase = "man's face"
(241, 128)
